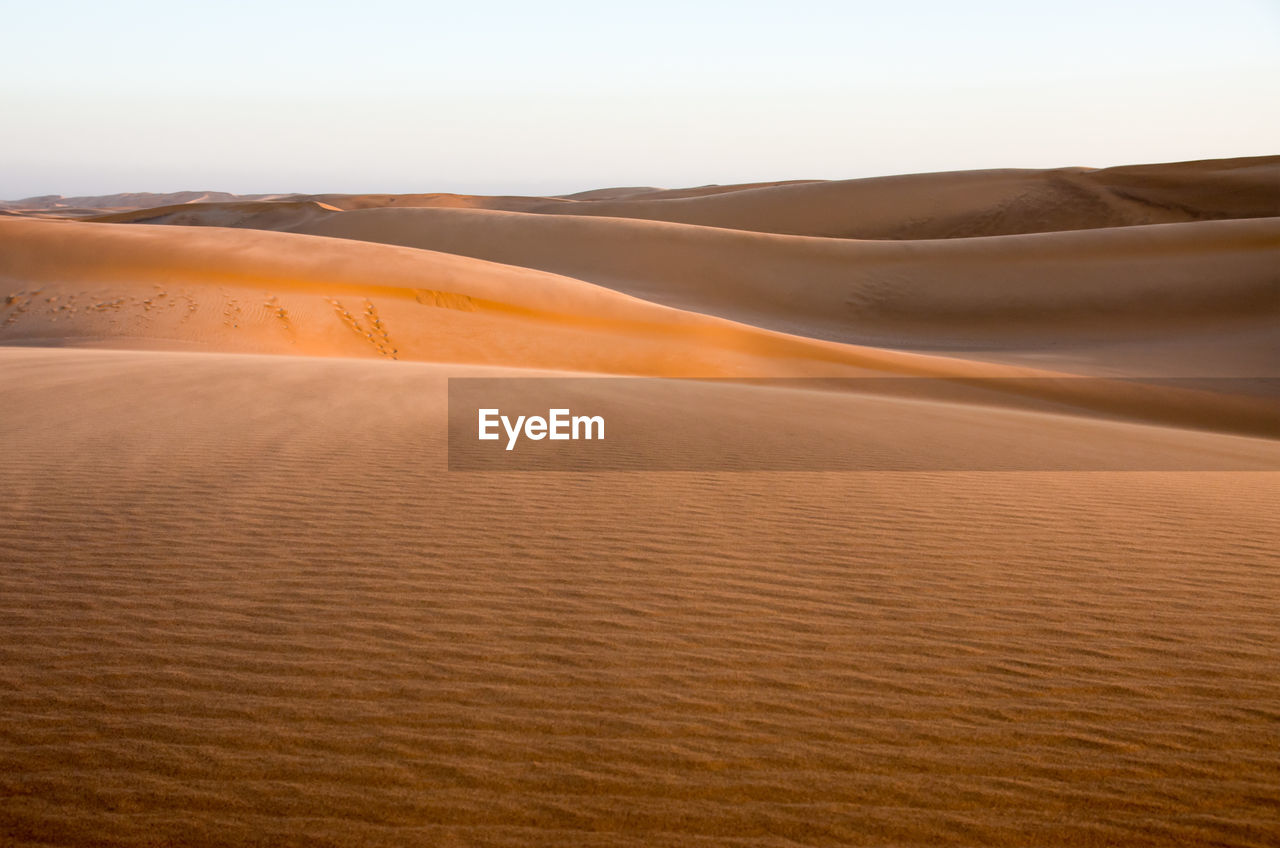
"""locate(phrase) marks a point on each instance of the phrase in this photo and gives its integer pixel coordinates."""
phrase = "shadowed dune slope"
(668, 193)
(273, 215)
(1218, 277)
(242, 603)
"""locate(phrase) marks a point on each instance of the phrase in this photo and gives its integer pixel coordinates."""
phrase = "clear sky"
(553, 96)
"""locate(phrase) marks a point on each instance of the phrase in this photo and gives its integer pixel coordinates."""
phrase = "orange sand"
(242, 600)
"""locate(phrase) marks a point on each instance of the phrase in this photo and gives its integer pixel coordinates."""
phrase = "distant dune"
(243, 599)
(917, 206)
(960, 204)
(131, 200)
(267, 215)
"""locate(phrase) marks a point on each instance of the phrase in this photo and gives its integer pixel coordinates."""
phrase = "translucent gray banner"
(864, 424)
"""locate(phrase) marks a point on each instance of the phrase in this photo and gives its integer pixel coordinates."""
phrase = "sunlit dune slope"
(245, 290)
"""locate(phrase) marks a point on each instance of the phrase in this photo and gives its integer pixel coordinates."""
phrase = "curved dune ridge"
(243, 599)
(991, 289)
(286, 293)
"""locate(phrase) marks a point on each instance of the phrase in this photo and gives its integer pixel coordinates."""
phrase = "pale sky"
(559, 96)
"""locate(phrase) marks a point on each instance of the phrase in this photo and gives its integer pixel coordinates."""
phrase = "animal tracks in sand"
(368, 325)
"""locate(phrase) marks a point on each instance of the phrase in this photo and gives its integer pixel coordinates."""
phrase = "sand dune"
(277, 292)
(931, 206)
(969, 203)
(1094, 284)
(916, 206)
(244, 599)
(242, 602)
(264, 215)
(670, 193)
(129, 200)
(255, 291)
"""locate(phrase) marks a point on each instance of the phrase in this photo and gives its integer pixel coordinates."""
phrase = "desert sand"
(243, 599)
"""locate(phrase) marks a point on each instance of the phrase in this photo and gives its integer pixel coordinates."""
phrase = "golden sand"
(243, 601)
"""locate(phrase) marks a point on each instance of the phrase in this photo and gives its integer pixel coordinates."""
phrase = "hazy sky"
(551, 97)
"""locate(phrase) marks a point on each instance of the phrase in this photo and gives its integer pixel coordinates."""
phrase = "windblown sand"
(242, 601)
